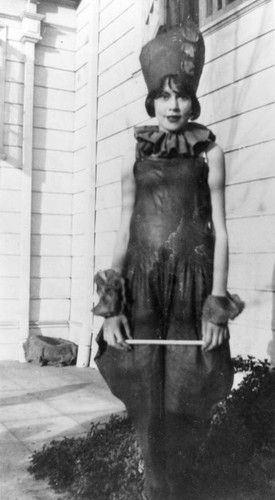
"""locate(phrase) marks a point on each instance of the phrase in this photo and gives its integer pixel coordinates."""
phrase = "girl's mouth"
(173, 118)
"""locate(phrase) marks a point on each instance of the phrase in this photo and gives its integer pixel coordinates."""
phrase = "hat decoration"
(180, 52)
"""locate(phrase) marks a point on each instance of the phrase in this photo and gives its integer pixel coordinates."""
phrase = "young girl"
(172, 254)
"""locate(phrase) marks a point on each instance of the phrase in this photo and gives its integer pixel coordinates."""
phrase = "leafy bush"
(246, 419)
(237, 460)
(238, 455)
(106, 464)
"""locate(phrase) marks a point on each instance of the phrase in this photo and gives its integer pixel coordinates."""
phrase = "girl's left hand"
(213, 335)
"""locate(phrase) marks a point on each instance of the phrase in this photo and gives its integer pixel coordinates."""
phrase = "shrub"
(238, 455)
(237, 460)
(106, 464)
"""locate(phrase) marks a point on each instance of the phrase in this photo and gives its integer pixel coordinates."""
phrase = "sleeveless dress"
(168, 272)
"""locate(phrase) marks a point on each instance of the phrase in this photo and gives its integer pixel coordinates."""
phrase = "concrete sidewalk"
(38, 404)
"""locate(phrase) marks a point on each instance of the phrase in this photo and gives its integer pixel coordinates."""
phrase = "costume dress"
(168, 272)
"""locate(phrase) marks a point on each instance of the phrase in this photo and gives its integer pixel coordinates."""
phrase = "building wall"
(238, 103)
(59, 186)
(53, 155)
(120, 106)
(51, 182)
(237, 98)
(83, 190)
(88, 94)
(12, 69)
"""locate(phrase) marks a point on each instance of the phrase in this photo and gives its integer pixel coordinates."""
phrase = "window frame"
(218, 13)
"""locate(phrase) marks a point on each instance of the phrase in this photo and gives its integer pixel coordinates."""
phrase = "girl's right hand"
(112, 332)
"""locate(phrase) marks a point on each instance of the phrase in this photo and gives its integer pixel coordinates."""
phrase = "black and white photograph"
(137, 249)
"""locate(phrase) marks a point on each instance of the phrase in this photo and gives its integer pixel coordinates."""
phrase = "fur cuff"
(219, 310)
(111, 290)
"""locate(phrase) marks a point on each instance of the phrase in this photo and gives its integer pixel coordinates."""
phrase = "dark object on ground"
(50, 351)
(236, 461)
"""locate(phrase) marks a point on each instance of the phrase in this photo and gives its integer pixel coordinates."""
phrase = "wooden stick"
(163, 342)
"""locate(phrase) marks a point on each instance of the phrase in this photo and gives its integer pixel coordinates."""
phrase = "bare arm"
(216, 182)
(112, 327)
(128, 200)
(214, 335)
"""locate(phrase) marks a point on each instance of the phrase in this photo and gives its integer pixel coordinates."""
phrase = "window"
(210, 10)
(169, 13)
(201, 11)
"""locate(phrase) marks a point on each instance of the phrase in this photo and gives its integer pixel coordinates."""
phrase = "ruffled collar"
(191, 141)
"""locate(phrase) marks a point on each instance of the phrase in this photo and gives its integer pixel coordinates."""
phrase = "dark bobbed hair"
(183, 90)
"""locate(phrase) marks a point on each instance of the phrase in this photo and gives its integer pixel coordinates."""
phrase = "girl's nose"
(174, 102)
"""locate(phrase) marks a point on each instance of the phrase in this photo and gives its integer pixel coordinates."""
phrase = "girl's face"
(172, 109)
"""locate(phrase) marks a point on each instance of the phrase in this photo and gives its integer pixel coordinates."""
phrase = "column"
(84, 349)
(31, 22)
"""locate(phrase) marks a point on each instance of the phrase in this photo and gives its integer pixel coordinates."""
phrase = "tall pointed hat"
(180, 52)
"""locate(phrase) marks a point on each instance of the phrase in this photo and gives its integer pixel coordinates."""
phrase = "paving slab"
(37, 405)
